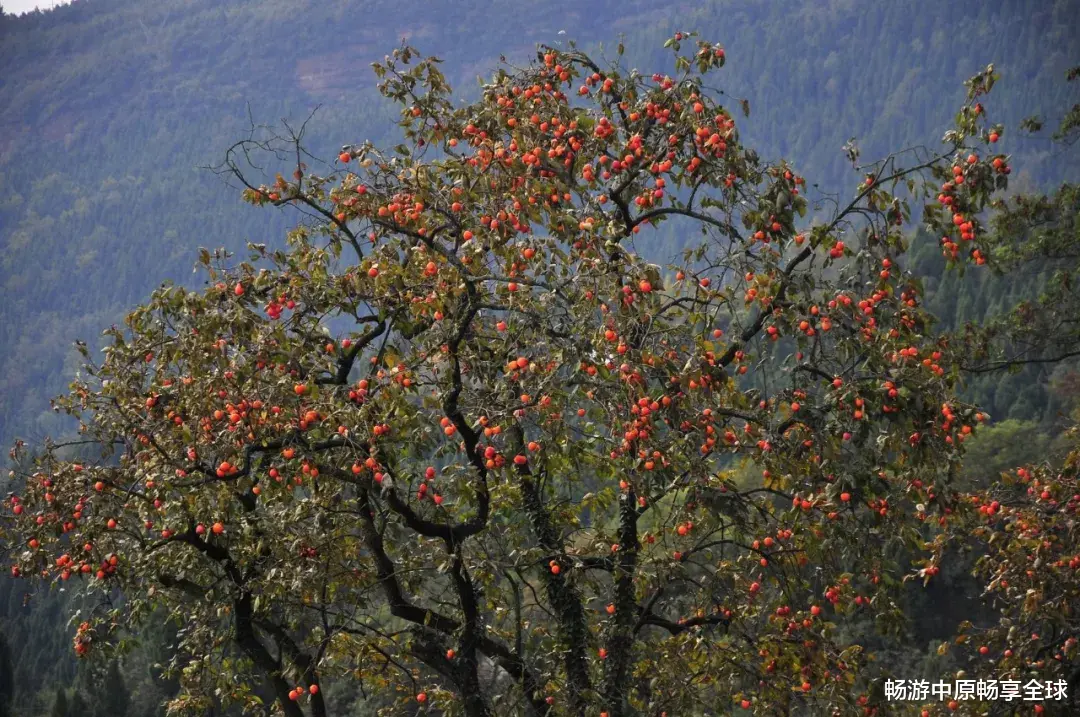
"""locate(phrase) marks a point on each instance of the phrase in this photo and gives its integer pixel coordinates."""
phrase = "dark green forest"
(113, 111)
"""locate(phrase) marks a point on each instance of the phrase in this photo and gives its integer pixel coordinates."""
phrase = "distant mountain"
(108, 109)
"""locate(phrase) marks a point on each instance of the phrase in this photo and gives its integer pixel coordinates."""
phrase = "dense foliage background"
(109, 109)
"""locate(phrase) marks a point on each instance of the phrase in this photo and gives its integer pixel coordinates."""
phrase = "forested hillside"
(109, 108)
(112, 110)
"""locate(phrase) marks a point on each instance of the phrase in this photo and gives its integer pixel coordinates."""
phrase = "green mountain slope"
(109, 109)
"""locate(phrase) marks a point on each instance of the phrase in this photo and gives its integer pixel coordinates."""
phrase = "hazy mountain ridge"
(109, 107)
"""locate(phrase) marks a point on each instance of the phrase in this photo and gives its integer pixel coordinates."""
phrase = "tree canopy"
(460, 444)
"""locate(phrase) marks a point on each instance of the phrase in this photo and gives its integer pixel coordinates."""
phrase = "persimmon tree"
(1022, 531)
(1020, 528)
(462, 442)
